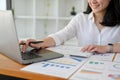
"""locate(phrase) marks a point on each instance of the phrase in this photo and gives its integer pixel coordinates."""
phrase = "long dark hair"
(112, 15)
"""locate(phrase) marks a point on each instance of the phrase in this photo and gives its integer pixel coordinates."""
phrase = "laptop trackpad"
(44, 53)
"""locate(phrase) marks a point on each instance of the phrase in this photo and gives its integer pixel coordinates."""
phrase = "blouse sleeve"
(66, 33)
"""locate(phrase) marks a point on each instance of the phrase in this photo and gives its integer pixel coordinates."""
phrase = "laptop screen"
(9, 41)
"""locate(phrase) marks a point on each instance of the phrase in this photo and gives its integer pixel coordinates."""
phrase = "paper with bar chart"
(61, 67)
(98, 70)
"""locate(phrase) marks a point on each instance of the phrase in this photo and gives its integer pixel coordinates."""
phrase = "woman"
(94, 29)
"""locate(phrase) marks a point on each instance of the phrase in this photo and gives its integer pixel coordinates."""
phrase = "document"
(70, 50)
(61, 67)
(98, 70)
(103, 57)
(113, 71)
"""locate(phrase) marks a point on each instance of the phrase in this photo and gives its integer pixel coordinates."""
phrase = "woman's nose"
(94, 1)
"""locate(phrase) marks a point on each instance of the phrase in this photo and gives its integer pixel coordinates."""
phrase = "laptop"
(9, 43)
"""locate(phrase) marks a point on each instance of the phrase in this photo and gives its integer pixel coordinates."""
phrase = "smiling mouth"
(94, 6)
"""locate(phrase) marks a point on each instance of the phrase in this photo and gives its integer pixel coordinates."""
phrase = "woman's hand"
(25, 43)
(47, 42)
(96, 48)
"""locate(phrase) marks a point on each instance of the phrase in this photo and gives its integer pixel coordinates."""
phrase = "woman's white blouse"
(83, 27)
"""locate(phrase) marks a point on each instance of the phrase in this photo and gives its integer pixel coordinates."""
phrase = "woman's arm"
(47, 42)
(115, 48)
(95, 48)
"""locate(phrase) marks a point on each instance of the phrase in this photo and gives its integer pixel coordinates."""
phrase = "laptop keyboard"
(30, 54)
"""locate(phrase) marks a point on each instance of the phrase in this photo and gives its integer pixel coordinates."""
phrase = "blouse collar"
(91, 16)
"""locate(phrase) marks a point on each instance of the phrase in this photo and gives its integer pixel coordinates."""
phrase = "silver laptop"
(10, 47)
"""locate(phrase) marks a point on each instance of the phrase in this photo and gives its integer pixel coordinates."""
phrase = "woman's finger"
(84, 49)
(90, 48)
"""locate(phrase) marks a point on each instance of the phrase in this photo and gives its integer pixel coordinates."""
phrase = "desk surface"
(12, 68)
